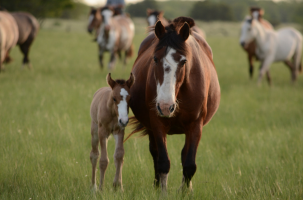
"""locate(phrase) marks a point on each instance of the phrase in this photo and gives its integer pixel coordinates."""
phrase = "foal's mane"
(171, 37)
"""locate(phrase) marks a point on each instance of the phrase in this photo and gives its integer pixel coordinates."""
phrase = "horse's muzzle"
(166, 110)
(242, 44)
(90, 30)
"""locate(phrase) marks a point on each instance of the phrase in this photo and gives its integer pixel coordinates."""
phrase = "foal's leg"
(188, 154)
(118, 157)
(94, 154)
(103, 163)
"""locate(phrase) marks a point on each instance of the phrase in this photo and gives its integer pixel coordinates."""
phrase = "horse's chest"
(107, 42)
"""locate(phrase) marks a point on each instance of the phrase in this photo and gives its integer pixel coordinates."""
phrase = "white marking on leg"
(122, 107)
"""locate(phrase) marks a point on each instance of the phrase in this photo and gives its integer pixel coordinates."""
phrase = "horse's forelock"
(121, 82)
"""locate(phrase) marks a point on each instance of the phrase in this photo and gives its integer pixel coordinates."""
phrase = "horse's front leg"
(188, 154)
(163, 162)
(265, 64)
(101, 56)
(94, 154)
(251, 66)
(103, 163)
(112, 61)
(154, 152)
(118, 157)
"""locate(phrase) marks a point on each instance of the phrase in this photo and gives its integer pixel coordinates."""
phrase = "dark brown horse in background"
(154, 15)
(28, 27)
(8, 35)
(176, 91)
(251, 48)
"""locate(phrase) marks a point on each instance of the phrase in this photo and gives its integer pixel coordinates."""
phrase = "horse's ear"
(110, 81)
(148, 11)
(159, 30)
(184, 31)
(130, 81)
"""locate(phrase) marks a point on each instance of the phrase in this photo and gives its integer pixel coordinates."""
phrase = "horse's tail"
(130, 51)
(138, 127)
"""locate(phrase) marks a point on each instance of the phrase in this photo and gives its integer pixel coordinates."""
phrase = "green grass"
(252, 148)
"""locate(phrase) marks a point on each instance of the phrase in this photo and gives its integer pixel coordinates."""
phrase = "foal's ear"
(184, 31)
(130, 81)
(159, 30)
(110, 81)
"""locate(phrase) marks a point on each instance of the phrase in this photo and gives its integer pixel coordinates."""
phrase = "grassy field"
(252, 148)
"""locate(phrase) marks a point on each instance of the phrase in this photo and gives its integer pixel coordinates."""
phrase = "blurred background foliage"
(209, 10)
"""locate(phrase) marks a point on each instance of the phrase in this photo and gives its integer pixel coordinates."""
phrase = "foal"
(109, 114)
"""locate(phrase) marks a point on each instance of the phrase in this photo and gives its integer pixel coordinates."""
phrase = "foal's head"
(94, 20)
(120, 97)
(170, 59)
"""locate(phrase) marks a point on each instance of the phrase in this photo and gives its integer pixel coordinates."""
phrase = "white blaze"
(122, 107)
(152, 19)
(107, 14)
(166, 91)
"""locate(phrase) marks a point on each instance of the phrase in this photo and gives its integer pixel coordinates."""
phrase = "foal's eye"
(114, 99)
(155, 59)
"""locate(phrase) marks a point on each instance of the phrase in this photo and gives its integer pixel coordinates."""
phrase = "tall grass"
(252, 148)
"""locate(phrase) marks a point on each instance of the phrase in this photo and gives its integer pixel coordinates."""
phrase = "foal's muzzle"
(123, 124)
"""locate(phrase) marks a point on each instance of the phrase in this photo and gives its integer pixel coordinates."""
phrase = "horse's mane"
(171, 37)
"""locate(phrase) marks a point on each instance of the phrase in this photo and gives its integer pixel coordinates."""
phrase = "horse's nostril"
(172, 108)
(159, 109)
(120, 121)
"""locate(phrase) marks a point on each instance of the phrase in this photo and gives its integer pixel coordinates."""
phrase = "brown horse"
(176, 91)
(109, 114)
(95, 19)
(153, 16)
(251, 47)
(28, 27)
(8, 35)
(115, 35)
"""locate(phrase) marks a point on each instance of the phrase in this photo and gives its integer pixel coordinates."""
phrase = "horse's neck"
(262, 35)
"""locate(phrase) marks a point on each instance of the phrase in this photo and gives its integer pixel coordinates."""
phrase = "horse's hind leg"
(268, 78)
(112, 61)
(118, 157)
(25, 50)
(94, 154)
(103, 135)
(188, 154)
(101, 57)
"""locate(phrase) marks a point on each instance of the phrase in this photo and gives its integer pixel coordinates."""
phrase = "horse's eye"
(183, 62)
(155, 59)
(114, 99)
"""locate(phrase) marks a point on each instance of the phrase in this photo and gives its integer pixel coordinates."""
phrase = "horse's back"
(8, 33)
(127, 30)
(28, 26)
